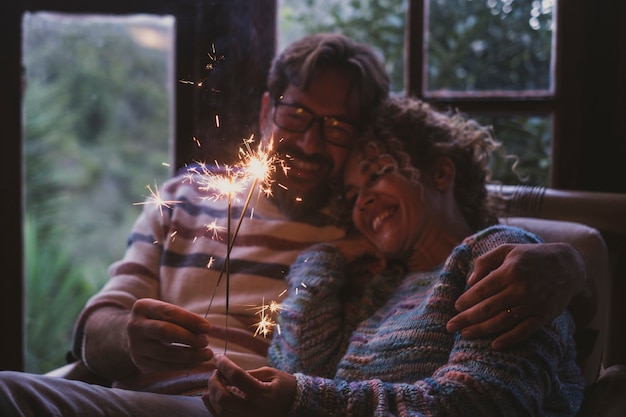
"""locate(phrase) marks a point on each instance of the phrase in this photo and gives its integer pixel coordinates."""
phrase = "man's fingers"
(161, 331)
(486, 278)
(485, 308)
(517, 334)
(481, 291)
(500, 321)
(162, 311)
(486, 263)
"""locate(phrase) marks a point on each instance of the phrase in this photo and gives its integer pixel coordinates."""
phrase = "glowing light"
(254, 170)
(155, 198)
(266, 313)
(215, 229)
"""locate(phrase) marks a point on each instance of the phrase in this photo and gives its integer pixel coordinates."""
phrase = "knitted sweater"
(176, 252)
(387, 352)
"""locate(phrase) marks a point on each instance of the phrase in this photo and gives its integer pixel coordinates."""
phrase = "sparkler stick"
(230, 247)
(259, 166)
(227, 265)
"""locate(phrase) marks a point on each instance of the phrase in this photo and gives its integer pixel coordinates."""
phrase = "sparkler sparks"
(214, 59)
(266, 313)
(155, 198)
(215, 229)
(254, 170)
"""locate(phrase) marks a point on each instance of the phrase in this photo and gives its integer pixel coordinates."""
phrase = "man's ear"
(266, 111)
(444, 172)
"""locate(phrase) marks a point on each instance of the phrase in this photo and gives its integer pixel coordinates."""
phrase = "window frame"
(575, 158)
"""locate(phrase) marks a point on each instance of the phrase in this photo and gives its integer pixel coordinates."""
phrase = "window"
(97, 131)
(498, 50)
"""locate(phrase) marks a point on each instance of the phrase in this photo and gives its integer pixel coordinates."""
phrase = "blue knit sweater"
(386, 351)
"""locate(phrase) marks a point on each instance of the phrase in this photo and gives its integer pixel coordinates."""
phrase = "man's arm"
(516, 289)
(105, 344)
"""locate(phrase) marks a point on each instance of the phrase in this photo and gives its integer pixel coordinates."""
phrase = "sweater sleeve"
(536, 377)
(311, 319)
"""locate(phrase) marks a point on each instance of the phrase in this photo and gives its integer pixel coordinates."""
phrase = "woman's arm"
(311, 318)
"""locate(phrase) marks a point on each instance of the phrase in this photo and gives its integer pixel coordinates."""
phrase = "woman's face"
(387, 208)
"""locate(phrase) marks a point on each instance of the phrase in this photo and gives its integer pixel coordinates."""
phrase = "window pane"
(527, 149)
(378, 23)
(97, 127)
(489, 45)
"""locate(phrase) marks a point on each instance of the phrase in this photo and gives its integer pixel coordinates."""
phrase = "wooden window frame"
(588, 141)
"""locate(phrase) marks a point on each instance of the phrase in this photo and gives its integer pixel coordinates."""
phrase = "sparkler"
(255, 167)
(155, 198)
(266, 323)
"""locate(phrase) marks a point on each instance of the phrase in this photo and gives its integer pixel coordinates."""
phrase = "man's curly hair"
(415, 135)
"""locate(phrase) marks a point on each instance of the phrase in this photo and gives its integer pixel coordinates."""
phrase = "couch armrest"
(607, 396)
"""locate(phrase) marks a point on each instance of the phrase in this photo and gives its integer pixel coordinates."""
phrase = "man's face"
(310, 161)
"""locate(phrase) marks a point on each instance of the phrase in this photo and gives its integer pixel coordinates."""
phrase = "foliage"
(492, 46)
(379, 23)
(96, 119)
(56, 292)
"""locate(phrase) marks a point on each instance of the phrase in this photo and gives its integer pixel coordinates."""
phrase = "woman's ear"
(443, 173)
(264, 115)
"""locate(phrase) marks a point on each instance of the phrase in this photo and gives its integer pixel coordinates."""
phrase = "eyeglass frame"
(314, 119)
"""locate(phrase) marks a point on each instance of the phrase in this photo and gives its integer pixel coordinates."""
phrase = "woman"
(375, 342)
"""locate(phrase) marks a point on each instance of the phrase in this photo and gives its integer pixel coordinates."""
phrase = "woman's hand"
(260, 392)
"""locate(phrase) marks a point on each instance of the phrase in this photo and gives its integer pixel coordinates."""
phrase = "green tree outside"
(96, 117)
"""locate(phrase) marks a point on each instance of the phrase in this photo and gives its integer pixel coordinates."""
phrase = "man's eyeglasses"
(297, 119)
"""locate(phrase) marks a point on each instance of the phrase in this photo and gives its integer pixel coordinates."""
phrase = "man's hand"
(516, 289)
(165, 337)
(261, 392)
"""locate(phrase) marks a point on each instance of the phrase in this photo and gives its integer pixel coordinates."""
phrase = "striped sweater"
(176, 252)
(386, 351)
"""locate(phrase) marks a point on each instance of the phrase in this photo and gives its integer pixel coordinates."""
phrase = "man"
(146, 329)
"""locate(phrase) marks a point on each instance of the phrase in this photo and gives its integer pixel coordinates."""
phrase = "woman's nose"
(365, 199)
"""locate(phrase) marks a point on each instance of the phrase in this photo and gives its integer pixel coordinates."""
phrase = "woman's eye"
(385, 169)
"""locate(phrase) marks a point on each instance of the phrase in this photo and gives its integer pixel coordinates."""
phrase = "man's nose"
(312, 140)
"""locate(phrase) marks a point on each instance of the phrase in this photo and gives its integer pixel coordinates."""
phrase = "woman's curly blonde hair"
(415, 135)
